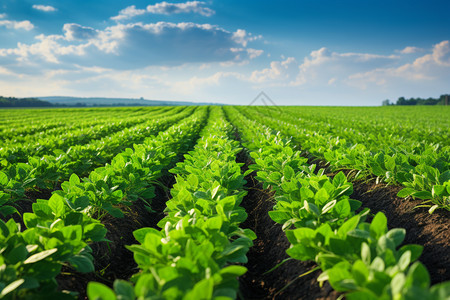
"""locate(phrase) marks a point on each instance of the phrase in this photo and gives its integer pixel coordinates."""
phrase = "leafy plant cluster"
(45, 172)
(363, 259)
(192, 256)
(59, 230)
(423, 169)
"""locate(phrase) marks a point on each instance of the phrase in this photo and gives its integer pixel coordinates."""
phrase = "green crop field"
(225, 202)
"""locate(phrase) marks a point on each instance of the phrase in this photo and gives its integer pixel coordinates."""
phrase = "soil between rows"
(430, 231)
(268, 250)
(112, 260)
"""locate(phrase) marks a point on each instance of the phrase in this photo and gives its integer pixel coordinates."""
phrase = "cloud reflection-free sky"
(304, 52)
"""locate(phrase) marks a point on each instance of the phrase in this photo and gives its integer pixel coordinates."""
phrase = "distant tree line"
(442, 100)
(34, 102)
(22, 102)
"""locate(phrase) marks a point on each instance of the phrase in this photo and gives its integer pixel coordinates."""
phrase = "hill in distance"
(77, 101)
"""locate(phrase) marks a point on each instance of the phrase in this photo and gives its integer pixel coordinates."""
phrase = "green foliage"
(363, 260)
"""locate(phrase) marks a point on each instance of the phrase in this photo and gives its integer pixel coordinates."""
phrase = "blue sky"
(315, 52)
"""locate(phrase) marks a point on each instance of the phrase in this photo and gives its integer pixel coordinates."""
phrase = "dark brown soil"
(268, 250)
(112, 260)
(431, 231)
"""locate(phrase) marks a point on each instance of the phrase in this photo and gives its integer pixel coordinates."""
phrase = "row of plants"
(428, 124)
(29, 118)
(16, 152)
(362, 259)
(19, 124)
(423, 169)
(30, 134)
(59, 230)
(47, 171)
(193, 255)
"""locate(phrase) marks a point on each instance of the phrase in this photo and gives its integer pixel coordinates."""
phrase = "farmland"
(228, 202)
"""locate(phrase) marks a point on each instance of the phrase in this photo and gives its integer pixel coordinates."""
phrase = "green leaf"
(18, 254)
(403, 193)
(39, 256)
(311, 208)
(140, 234)
(288, 172)
(11, 287)
(321, 197)
(82, 263)
(99, 291)
(328, 206)
(416, 251)
(360, 272)
(216, 187)
(361, 295)
(202, 290)
(56, 203)
(404, 261)
(348, 226)
(397, 235)
(275, 177)
(74, 179)
(4, 229)
(378, 227)
(440, 291)
(279, 216)
(339, 179)
(397, 284)
(419, 275)
(124, 290)
(3, 179)
(365, 253)
(342, 208)
(192, 179)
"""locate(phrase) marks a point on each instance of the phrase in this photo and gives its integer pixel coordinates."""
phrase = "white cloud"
(128, 13)
(323, 65)
(178, 8)
(2, 16)
(166, 8)
(279, 73)
(77, 32)
(427, 69)
(44, 8)
(242, 37)
(133, 46)
(25, 25)
(410, 50)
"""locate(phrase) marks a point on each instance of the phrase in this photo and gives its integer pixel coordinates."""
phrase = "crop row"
(423, 169)
(324, 224)
(190, 257)
(19, 126)
(31, 135)
(59, 230)
(45, 172)
(20, 151)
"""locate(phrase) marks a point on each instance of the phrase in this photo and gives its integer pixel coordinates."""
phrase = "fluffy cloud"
(44, 8)
(128, 13)
(243, 37)
(177, 8)
(428, 69)
(25, 25)
(279, 73)
(410, 50)
(77, 32)
(166, 8)
(133, 46)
